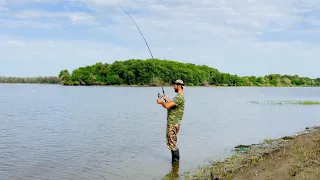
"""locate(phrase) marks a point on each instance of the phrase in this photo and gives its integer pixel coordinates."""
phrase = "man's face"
(175, 87)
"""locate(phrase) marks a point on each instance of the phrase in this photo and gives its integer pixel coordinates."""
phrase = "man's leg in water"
(172, 137)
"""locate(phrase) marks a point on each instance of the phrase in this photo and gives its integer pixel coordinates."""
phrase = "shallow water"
(55, 132)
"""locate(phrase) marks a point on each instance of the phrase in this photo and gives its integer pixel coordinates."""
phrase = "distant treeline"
(38, 80)
(164, 72)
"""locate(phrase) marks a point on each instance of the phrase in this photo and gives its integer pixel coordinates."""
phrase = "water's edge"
(233, 164)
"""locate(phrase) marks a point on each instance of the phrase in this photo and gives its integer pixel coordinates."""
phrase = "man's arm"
(168, 104)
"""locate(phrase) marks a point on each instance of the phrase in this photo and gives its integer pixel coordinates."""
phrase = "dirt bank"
(295, 157)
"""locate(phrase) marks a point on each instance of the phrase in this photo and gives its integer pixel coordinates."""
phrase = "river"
(58, 132)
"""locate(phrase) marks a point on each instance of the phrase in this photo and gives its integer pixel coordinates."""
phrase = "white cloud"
(82, 18)
(26, 23)
(223, 34)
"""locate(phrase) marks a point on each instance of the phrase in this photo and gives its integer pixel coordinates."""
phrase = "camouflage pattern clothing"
(171, 136)
(174, 117)
(175, 113)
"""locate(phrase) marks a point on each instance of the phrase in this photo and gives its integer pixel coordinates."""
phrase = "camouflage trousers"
(172, 135)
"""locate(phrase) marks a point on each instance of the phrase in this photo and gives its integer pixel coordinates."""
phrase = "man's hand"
(165, 97)
(167, 104)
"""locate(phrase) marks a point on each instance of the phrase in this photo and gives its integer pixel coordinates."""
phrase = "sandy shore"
(295, 157)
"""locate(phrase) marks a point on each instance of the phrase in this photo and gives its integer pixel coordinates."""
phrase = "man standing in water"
(175, 113)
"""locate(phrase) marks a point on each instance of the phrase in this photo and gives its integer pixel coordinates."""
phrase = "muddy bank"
(294, 157)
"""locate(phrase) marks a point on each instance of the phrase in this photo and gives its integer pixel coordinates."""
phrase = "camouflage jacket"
(175, 113)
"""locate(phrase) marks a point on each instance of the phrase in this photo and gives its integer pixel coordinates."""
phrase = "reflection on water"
(174, 173)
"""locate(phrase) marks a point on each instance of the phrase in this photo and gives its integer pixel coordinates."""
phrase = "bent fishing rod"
(159, 96)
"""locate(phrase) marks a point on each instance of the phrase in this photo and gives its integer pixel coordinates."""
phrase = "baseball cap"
(179, 81)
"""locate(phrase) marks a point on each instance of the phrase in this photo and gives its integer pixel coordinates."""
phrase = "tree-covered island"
(162, 72)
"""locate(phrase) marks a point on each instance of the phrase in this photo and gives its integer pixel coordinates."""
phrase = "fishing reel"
(160, 96)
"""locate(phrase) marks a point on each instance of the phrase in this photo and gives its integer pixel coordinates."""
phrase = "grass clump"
(226, 169)
(254, 102)
(268, 141)
(306, 102)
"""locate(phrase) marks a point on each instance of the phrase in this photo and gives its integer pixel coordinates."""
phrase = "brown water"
(55, 132)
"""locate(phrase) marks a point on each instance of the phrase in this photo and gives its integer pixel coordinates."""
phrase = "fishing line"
(159, 96)
(139, 30)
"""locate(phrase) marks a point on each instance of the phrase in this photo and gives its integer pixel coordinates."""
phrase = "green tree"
(64, 75)
(156, 72)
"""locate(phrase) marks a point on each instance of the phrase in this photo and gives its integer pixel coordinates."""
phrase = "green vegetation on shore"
(136, 72)
(307, 102)
(163, 72)
(31, 80)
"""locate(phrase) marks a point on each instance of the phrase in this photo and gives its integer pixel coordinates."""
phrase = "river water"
(55, 132)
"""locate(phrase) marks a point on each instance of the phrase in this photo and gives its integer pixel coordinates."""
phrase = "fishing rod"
(159, 95)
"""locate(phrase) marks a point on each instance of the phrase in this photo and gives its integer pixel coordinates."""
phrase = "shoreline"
(159, 86)
(288, 157)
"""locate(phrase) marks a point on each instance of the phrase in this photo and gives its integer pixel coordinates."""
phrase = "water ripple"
(60, 132)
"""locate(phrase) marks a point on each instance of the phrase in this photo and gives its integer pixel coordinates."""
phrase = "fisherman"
(175, 111)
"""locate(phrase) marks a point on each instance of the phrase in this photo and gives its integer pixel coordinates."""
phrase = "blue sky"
(252, 37)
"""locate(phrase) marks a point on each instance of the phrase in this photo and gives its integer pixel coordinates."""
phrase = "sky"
(244, 37)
